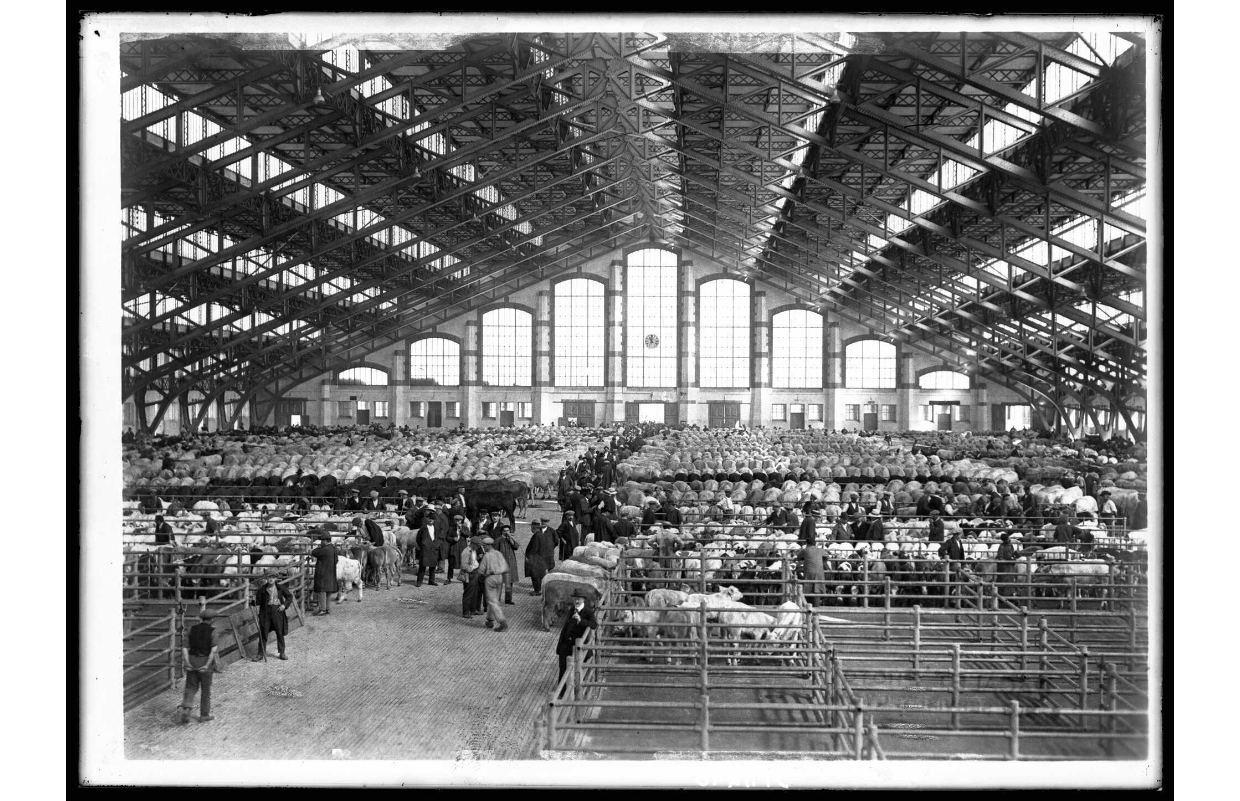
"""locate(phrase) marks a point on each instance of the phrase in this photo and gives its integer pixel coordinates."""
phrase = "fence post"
(705, 699)
(172, 648)
(955, 684)
(551, 725)
(703, 647)
(576, 680)
(1043, 646)
(1014, 745)
(865, 582)
(1024, 640)
(1110, 704)
(1083, 689)
(833, 715)
(858, 733)
(916, 641)
(886, 607)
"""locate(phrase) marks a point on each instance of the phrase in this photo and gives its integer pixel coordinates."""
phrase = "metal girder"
(456, 156)
(156, 71)
(332, 301)
(202, 98)
(362, 234)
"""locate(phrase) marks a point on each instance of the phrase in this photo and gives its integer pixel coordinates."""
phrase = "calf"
(348, 576)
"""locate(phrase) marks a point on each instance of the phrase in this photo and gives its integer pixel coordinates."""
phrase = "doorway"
(869, 421)
(507, 419)
(651, 413)
(724, 414)
(579, 413)
(797, 420)
(434, 414)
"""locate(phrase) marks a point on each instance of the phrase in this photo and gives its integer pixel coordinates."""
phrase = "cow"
(348, 576)
(1088, 576)
(384, 561)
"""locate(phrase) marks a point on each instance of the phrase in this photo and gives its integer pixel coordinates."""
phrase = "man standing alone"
(272, 601)
(575, 626)
(200, 655)
(324, 574)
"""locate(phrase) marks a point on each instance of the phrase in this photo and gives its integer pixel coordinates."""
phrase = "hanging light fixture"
(318, 95)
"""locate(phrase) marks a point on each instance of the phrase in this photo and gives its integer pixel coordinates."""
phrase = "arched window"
(943, 379)
(870, 364)
(651, 318)
(436, 361)
(723, 339)
(507, 348)
(579, 333)
(796, 349)
(363, 376)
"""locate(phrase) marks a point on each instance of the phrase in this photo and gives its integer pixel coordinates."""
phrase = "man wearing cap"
(429, 540)
(200, 656)
(575, 625)
(937, 529)
(372, 504)
(403, 502)
(507, 546)
(470, 576)
(650, 515)
(354, 503)
(272, 599)
(807, 533)
(886, 507)
(455, 538)
(324, 573)
(623, 527)
(567, 535)
(535, 558)
(493, 567)
(1107, 512)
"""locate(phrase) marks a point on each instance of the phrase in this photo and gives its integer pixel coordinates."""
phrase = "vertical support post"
(865, 582)
(1014, 744)
(172, 647)
(1043, 646)
(955, 684)
(576, 679)
(551, 725)
(1024, 640)
(1083, 688)
(858, 731)
(916, 641)
(886, 607)
(705, 700)
(703, 647)
(1111, 704)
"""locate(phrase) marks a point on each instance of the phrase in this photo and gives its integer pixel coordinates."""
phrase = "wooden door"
(434, 414)
(869, 421)
(363, 417)
(507, 419)
(797, 420)
(945, 421)
(724, 414)
(632, 413)
(998, 417)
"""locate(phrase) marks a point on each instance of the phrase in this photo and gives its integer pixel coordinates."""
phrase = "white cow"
(348, 575)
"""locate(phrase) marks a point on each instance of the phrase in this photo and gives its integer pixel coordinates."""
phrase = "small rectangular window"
(507, 406)
(962, 413)
(926, 413)
(813, 411)
(525, 410)
(363, 406)
(852, 412)
(779, 411)
(381, 408)
(452, 409)
(797, 408)
(889, 413)
(488, 410)
(344, 409)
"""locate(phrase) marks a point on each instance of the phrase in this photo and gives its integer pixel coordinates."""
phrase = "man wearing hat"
(535, 559)
(1107, 511)
(550, 540)
(493, 567)
(354, 502)
(1005, 569)
(200, 655)
(272, 599)
(876, 532)
(567, 535)
(429, 542)
(324, 573)
(623, 527)
(372, 504)
(807, 533)
(455, 538)
(580, 618)
(403, 502)
(650, 515)
(608, 502)
(470, 576)
(506, 544)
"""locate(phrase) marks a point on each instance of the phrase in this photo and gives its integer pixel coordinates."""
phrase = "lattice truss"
(980, 197)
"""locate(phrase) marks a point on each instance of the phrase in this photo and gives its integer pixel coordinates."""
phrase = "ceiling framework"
(813, 162)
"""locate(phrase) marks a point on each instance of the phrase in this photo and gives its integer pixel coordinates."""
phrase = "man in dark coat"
(163, 531)
(673, 517)
(812, 572)
(937, 527)
(650, 515)
(808, 531)
(272, 600)
(454, 539)
(428, 543)
(324, 573)
(1066, 533)
(200, 655)
(623, 528)
(876, 531)
(535, 559)
(506, 544)
(575, 625)
(567, 535)
(354, 502)
(372, 504)
(550, 539)
(608, 502)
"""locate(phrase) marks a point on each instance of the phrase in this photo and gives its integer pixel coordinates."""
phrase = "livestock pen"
(979, 682)
(159, 605)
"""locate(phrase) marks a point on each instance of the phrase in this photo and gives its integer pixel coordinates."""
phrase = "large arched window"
(943, 379)
(363, 376)
(723, 339)
(507, 348)
(870, 364)
(435, 361)
(796, 349)
(579, 333)
(651, 318)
